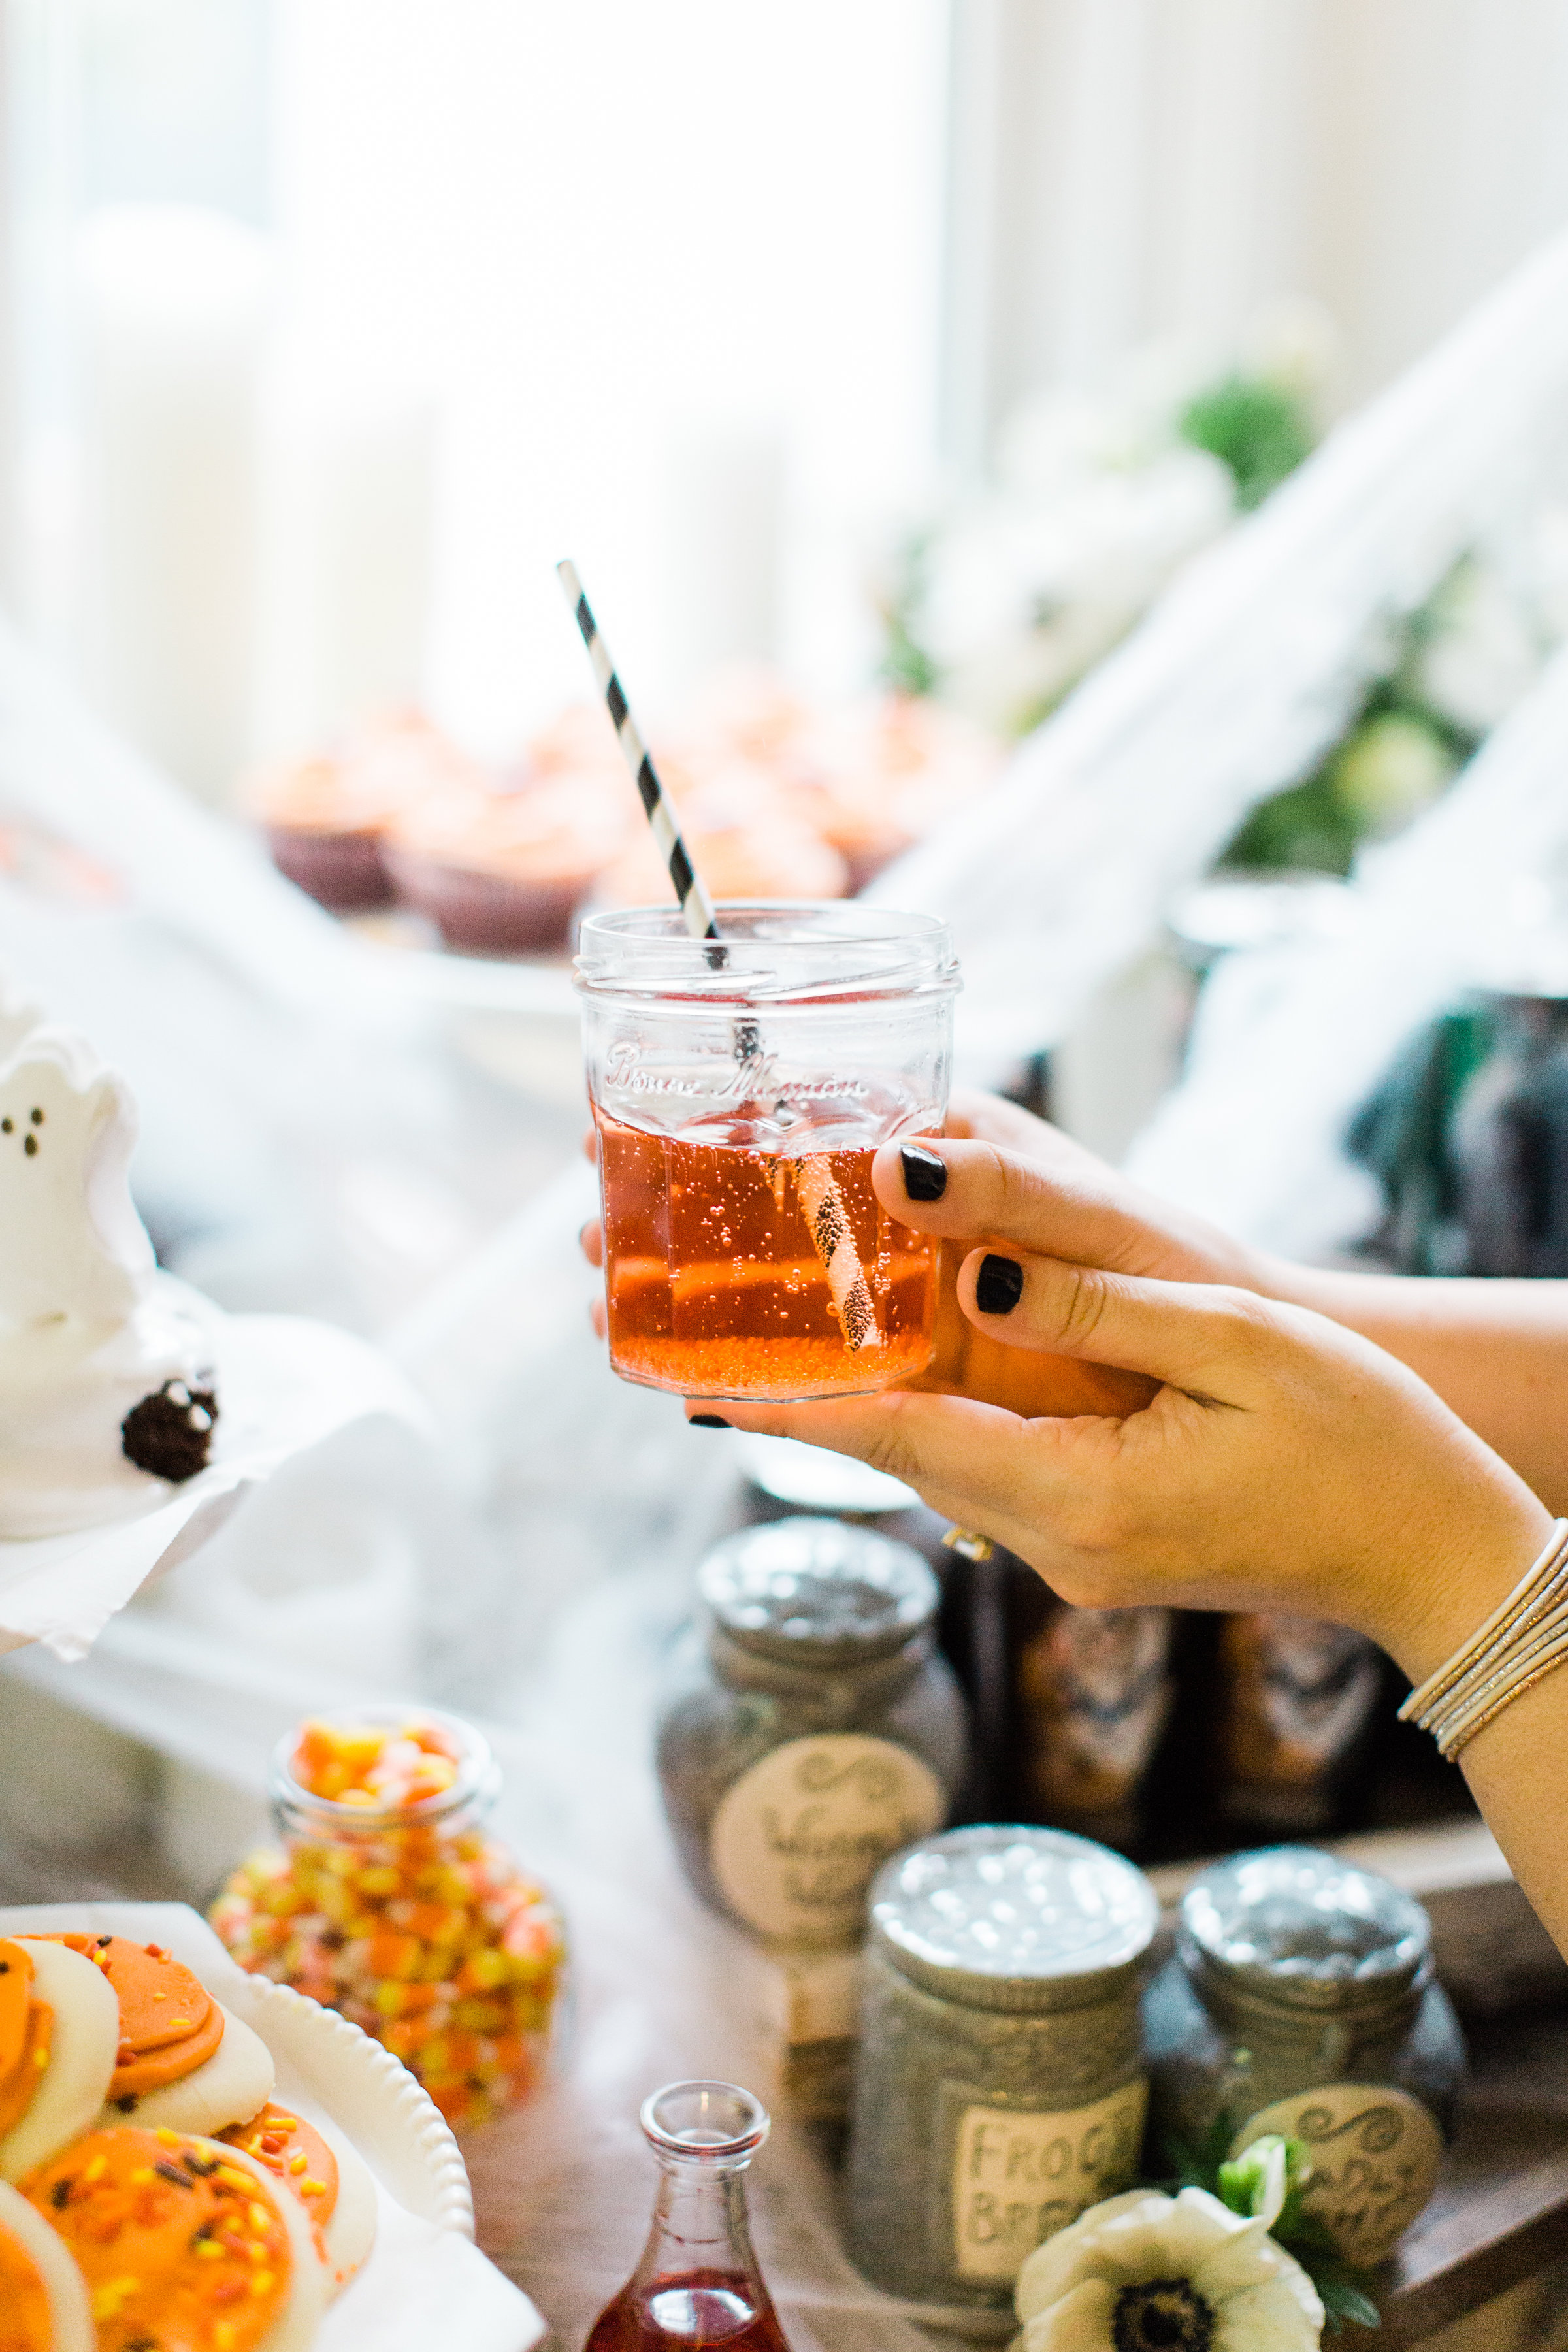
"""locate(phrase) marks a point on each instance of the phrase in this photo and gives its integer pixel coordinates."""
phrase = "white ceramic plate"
(425, 2285)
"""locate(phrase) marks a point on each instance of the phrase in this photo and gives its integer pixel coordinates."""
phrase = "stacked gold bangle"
(1523, 1639)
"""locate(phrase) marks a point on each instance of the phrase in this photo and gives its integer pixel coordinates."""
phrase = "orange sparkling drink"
(390, 1902)
(716, 1287)
(740, 1088)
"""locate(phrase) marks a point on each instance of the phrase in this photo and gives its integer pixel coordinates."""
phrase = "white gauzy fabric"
(1290, 1041)
(1239, 678)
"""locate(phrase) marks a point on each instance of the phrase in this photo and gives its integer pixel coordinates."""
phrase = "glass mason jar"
(1300, 1999)
(389, 1902)
(739, 1089)
(1000, 2088)
(808, 1727)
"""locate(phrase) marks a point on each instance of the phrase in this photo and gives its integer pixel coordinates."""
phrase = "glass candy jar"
(999, 2090)
(389, 1901)
(809, 1729)
(1300, 1999)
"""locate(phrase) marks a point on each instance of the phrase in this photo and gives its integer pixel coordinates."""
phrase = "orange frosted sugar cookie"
(169, 2022)
(179, 2249)
(25, 2322)
(295, 2152)
(25, 2027)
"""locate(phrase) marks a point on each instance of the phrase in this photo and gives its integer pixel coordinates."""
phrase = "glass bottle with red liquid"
(698, 2283)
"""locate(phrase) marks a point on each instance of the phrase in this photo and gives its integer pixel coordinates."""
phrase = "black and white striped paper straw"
(695, 904)
(826, 1217)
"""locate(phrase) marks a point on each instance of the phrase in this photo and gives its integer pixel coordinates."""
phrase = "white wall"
(1123, 168)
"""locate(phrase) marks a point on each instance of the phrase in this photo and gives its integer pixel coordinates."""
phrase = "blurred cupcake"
(872, 780)
(579, 742)
(766, 858)
(326, 817)
(502, 872)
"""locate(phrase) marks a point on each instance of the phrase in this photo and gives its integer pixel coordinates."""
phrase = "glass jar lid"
(1292, 1925)
(1022, 1920)
(817, 1592)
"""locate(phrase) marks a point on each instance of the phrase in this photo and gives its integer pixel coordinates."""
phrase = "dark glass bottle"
(698, 2283)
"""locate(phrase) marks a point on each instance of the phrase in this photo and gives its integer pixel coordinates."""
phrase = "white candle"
(347, 541)
(175, 312)
(722, 543)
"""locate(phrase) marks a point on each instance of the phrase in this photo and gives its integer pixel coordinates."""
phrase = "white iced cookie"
(231, 2084)
(350, 2229)
(78, 2041)
(106, 1391)
(322, 2168)
(169, 2229)
(43, 2295)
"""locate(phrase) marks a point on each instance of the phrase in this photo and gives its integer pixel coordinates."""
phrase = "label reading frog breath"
(1374, 2155)
(798, 1839)
(1018, 2178)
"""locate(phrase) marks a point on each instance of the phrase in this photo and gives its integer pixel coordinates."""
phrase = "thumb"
(1206, 1340)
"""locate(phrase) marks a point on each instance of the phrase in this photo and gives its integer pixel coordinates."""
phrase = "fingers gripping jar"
(391, 1902)
(1300, 1999)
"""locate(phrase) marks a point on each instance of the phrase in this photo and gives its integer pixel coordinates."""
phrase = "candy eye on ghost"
(29, 1142)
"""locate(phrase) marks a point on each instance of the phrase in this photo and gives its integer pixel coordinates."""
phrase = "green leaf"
(1255, 429)
(1341, 2301)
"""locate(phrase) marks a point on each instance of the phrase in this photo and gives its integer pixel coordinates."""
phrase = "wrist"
(1459, 1575)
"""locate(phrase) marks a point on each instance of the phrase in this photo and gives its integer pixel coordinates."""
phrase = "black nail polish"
(998, 1286)
(925, 1175)
(705, 1421)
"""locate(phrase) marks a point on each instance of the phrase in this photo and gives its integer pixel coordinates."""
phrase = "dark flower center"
(1162, 2316)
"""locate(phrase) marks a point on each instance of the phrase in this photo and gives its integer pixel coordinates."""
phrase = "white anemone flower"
(1147, 2273)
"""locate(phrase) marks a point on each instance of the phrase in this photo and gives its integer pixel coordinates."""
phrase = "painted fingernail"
(925, 1175)
(705, 1421)
(998, 1286)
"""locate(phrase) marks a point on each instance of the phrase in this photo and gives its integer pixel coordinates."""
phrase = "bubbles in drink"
(748, 1256)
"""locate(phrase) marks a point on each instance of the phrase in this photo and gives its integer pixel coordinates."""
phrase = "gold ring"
(968, 1545)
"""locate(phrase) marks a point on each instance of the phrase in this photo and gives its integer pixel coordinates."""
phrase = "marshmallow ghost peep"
(74, 1255)
(104, 1393)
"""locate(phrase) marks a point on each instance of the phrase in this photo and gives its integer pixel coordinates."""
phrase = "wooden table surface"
(1500, 2214)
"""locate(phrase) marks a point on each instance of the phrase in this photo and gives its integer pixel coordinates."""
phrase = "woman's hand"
(1096, 1218)
(1022, 1169)
(1268, 1460)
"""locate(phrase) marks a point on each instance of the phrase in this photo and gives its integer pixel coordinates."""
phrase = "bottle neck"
(700, 2224)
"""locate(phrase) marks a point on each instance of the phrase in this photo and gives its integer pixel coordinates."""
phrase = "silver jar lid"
(1291, 1924)
(1022, 1920)
(817, 1592)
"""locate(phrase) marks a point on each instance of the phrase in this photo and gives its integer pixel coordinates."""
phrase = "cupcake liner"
(497, 914)
(339, 870)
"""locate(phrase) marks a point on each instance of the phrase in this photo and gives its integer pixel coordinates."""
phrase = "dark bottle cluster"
(1165, 1733)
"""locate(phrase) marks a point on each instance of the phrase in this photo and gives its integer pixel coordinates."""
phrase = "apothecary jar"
(1300, 1999)
(808, 1727)
(999, 2086)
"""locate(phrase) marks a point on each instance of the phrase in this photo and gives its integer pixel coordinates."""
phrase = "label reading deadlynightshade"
(1374, 2155)
(1020, 2178)
(798, 1840)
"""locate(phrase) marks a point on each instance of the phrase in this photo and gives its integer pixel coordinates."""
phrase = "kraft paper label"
(1374, 2155)
(1020, 2178)
(798, 1839)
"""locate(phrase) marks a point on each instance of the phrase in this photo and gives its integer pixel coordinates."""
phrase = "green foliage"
(1395, 755)
(1240, 2184)
(905, 664)
(1257, 429)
